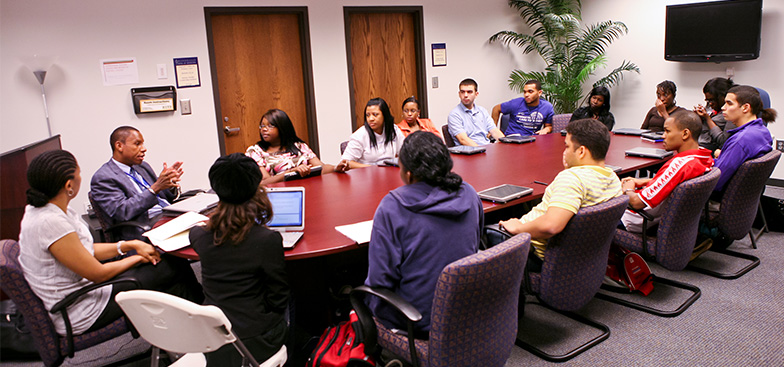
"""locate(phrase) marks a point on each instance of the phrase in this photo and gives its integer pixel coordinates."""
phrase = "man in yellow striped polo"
(585, 181)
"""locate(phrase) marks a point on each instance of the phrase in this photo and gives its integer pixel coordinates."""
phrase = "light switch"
(435, 82)
(185, 106)
(162, 71)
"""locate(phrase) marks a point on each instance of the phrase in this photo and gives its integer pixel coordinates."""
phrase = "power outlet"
(780, 145)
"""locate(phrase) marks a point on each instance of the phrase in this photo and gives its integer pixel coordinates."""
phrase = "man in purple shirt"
(751, 139)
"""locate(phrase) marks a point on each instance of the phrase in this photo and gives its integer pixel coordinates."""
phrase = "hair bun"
(36, 198)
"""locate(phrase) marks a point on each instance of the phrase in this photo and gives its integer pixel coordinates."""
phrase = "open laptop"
(649, 152)
(630, 131)
(288, 213)
(199, 203)
(466, 149)
(517, 139)
(504, 193)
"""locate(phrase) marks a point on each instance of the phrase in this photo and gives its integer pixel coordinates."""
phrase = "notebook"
(630, 131)
(649, 152)
(466, 149)
(517, 139)
(199, 203)
(288, 213)
(314, 171)
(653, 136)
(504, 193)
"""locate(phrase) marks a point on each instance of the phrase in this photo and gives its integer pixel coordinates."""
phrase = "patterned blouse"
(279, 162)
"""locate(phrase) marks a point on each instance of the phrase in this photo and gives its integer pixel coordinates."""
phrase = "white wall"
(84, 111)
(644, 45)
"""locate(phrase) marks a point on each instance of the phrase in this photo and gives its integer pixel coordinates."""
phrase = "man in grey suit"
(127, 189)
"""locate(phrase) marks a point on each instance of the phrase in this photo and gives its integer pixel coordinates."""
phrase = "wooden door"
(258, 64)
(384, 48)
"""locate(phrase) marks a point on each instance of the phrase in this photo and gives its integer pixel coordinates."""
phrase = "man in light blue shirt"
(470, 124)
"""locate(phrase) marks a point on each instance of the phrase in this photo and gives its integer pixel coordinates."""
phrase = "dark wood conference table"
(324, 260)
(339, 199)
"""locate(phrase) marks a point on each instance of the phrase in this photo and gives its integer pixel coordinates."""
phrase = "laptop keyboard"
(290, 238)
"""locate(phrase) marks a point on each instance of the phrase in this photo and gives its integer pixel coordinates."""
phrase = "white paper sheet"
(173, 235)
(359, 232)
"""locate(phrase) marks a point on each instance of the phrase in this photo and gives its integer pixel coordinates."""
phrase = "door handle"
(229, 130)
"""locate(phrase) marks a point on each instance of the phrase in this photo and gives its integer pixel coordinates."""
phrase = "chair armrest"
(645, 218)
(71, 298)
(493, 234)
(187, 194)
(386, 295)
(130, 223)
(365, 316)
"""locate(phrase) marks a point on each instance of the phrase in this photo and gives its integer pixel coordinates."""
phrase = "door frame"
(307, 64)
(419, 51)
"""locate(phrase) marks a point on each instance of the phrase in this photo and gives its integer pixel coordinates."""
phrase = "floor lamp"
(39, 65)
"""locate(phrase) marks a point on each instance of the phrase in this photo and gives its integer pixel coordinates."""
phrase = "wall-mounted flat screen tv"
(713, 31)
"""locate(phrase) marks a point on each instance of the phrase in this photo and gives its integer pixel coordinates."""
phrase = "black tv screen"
(713, 31)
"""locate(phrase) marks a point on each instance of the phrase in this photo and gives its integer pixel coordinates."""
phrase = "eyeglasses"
(266, 127)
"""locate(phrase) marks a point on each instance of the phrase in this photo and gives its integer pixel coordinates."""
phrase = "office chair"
(52, 347)
(343, 146)
(560, 121)
(474, 313)
(447, 137)
(180, 326)
(739, 205)
(674, 243)
(111, 231)
(573, 269)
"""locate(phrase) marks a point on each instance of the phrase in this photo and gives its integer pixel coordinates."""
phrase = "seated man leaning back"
(585, 181)
(681, 133)
(126, 188)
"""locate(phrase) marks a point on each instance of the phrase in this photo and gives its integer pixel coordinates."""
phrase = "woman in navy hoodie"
(419, 228)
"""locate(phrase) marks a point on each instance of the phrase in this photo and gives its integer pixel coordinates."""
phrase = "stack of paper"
(173, 235)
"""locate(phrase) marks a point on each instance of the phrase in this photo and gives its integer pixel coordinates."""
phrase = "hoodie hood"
(422, 198)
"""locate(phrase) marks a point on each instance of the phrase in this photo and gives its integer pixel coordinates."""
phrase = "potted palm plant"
(572, 53)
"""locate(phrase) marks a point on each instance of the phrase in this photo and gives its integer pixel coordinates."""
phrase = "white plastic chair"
(180, 326)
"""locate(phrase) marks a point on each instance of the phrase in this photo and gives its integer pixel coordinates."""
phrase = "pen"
(541, 183)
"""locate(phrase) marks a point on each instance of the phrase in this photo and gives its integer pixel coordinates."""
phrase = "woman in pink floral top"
(280, 150)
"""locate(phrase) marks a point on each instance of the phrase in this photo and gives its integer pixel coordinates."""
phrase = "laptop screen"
(288, 208)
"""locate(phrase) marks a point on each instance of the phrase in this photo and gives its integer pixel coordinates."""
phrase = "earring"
(70, 193)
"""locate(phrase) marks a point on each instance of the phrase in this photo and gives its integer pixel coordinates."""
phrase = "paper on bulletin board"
(119, 71)
(187, 71)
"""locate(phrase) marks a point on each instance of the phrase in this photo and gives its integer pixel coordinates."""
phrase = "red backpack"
(626, 269)
(341, 346)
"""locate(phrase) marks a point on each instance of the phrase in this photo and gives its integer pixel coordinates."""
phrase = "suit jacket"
(119, 198)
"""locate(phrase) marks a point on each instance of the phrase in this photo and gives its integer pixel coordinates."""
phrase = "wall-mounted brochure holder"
(154, 99)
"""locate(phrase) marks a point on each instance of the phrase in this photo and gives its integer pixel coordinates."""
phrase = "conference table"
(340, 199)
(324, 260)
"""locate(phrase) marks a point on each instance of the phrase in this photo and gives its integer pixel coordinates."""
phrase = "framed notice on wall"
(439, 54)
(186, 70)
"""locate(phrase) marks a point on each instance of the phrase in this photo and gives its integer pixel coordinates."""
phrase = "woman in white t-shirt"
(58, 256)
(378, 140)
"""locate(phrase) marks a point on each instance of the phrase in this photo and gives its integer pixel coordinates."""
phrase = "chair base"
(754, 262)
(663, 313)
(574, 352)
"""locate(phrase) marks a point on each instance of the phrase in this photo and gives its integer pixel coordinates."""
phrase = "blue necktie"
(142, 183)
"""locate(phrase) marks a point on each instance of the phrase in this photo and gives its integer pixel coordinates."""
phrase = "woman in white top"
(58, 256)
(378, 140)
